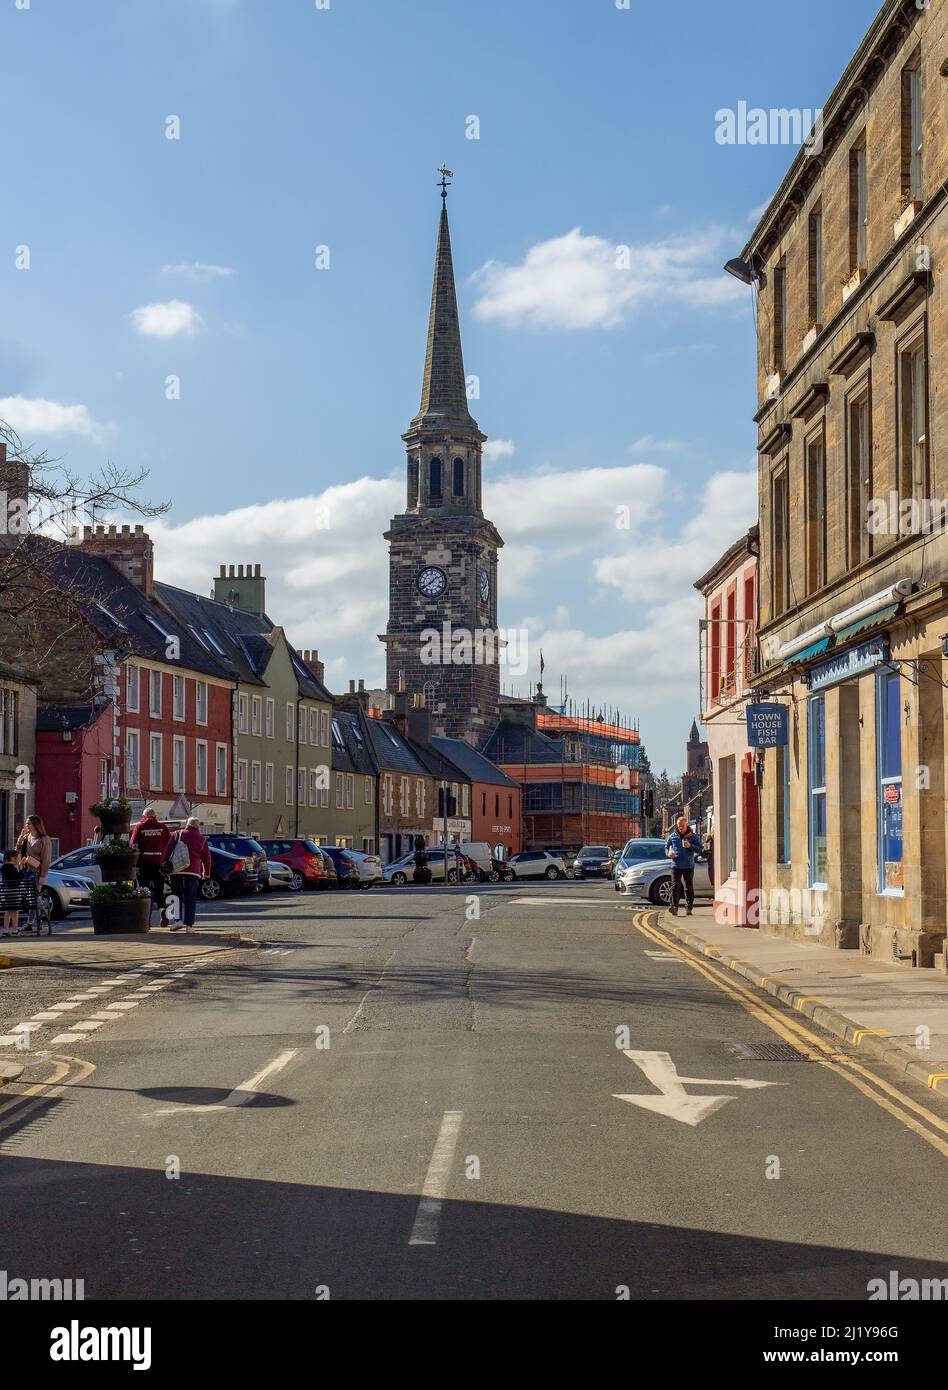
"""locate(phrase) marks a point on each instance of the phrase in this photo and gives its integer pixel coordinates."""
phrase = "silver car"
(402, 871)
(65, 892)
(369, 866)
(637, 852)
(80, 862)
(652, 879)
(282, 876)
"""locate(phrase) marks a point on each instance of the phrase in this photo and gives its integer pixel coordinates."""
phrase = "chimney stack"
(129, 549)
(243, 587)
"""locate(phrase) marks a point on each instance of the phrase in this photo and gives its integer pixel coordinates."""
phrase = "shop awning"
(815, 649)
(882, 615)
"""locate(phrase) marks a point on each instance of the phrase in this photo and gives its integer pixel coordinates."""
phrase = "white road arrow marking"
(674, 1101)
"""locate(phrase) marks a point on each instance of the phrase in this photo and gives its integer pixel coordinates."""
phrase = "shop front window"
(816, 755)
(889, 758)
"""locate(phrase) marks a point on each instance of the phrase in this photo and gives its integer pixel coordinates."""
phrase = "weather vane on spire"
(446, 175)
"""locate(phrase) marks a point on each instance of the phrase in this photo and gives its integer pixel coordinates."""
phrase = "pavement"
(524, 1091)
(892, 1012)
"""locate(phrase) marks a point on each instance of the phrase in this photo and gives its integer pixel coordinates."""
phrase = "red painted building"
(496, 810)
(73, 766)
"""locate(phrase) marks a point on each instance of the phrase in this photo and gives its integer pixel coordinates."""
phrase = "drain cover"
(767, 1052)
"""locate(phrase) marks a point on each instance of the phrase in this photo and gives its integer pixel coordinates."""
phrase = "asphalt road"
(424, 1094)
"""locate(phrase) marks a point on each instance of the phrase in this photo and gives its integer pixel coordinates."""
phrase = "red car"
(306, 860)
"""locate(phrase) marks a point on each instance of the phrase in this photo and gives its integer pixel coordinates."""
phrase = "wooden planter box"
(122, 918)
(119, 868)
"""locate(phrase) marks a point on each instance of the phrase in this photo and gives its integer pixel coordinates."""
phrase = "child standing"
(11, 891)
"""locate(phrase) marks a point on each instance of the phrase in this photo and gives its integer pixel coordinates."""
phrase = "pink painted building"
(728, 661)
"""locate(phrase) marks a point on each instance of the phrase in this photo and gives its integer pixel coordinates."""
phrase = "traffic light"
(648, 803)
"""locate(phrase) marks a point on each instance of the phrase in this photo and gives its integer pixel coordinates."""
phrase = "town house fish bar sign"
(848, 664)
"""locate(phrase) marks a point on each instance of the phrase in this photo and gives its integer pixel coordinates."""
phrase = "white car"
(282, 876)
(65, 892)
(652, 879)
(369, 866)
(538, 863)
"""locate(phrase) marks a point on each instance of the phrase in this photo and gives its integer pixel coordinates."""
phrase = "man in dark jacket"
(151, 839)
(681, 847)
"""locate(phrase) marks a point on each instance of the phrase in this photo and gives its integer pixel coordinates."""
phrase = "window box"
(855, 280)
(811, 336)
(907, 217)
(772, 387)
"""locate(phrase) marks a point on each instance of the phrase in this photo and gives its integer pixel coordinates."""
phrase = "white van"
(480, 852)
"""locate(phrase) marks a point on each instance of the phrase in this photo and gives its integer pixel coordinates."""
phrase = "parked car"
(652, 879)
(538, 863)
(230, 874)
(65, 892)
(637, 852)
(480, 852)
(369, 866)
(592, 861)
(282, 876)
(79, 862)
(347, 869)
(245, 848)
(402, 871)
(305, 860)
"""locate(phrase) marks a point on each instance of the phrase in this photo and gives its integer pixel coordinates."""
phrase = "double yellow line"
(923, 1122)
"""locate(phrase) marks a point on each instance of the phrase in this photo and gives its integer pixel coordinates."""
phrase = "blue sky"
(301, 127)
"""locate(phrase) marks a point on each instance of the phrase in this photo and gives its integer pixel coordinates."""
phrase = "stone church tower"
(442, 549)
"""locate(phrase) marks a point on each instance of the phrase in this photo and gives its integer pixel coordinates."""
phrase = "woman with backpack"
(188, 860)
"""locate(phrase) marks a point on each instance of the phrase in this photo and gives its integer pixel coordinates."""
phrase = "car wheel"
(399, 880)
(615, 884)
(452, 875)
(552, 873)
(211, 889)
(365, 885)
(53, 902)
(296, 882)
(493, 876)
(509, 876)
(660, 892)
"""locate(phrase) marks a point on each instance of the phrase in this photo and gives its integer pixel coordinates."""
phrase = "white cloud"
(171, 320)
(648, 444)
(715, 519)
(197, 270)
(496, 449)
(757, 213)
(33, 417)
(575, 506)
(576, 281)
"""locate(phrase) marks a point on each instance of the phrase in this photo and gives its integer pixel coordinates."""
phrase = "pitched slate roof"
(392, 752)
(472, 764)
(513, 742)
(56, 718)
(352, 750)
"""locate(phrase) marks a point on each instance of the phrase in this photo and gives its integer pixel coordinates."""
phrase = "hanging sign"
(767, 726)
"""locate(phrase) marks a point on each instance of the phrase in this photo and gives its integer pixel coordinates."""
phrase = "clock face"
(431, 581)
(483, 583)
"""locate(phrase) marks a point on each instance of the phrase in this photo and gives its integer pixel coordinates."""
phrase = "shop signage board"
(854, 662)
(767, 725)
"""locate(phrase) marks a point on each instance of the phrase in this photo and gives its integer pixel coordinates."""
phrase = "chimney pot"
(352, 686)
(223, 572)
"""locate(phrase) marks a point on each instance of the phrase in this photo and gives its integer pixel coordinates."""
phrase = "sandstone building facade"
(849, 260)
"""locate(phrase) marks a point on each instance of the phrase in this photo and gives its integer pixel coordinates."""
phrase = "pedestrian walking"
(186, 879)
(709, 852)
(11, 891)
(151, 839)
(35, 849)
(682, 845)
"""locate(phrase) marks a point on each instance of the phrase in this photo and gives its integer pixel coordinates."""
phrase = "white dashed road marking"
(428, 1215)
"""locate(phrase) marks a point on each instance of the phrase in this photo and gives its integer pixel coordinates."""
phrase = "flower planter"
(809, 338)
(117, 823)
(854, 281)
(127, 917)
(119, 868)
(907, 217)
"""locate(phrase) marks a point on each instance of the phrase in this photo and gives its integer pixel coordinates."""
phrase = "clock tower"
(441, 635)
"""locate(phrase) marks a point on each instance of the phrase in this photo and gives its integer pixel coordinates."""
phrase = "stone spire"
(443, 393)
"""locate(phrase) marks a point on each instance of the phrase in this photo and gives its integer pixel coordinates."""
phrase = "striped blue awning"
(814, 649)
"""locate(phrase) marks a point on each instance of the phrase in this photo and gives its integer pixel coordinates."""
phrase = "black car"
(347, 870)
(230, 874)
(593, 861)
(245, 848)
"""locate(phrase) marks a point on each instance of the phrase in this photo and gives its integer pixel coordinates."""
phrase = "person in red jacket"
(151, 839)
(186, 881)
